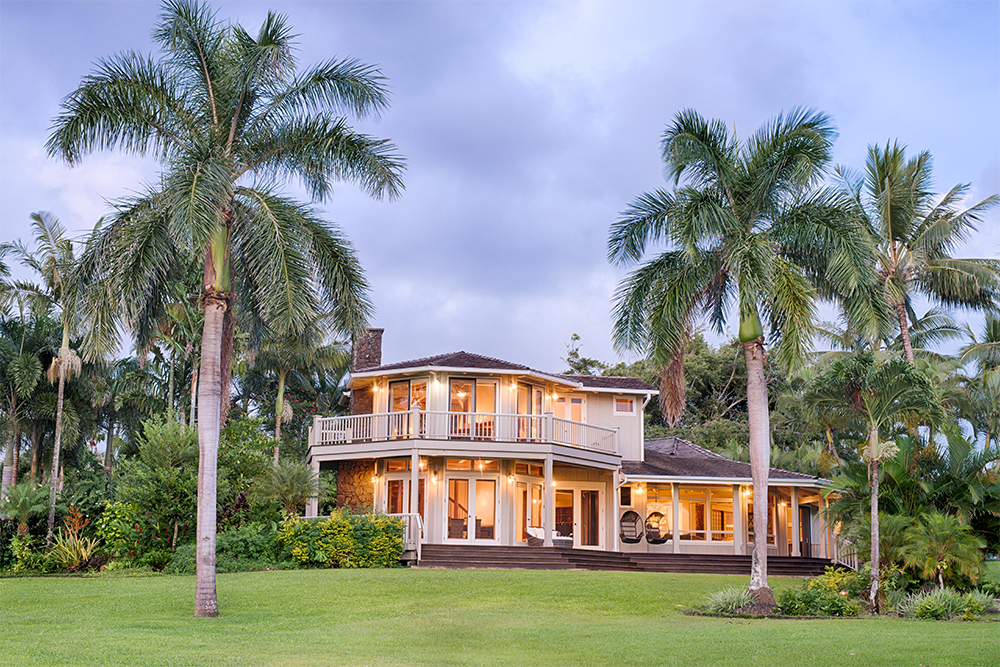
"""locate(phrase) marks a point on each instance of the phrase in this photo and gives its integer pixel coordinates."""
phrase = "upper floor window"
(407, 395)
(624, 405)
(573, 408)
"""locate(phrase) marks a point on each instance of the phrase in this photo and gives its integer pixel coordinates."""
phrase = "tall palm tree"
(285, 356)
(882, 392)
(748, 230)
(916, 233)
(54, 261)
(984, 352)
(229, 115)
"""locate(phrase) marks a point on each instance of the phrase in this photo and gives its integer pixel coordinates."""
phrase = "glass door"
(472, 509)
(590, 519)
(564, 514)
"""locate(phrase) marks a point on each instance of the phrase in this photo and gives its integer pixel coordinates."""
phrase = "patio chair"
(630, 528)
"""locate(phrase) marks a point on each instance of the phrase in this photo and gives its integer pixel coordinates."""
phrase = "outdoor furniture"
(630, 529)
(655, 533)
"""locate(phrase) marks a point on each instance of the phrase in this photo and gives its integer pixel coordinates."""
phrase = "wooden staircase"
(550, 558)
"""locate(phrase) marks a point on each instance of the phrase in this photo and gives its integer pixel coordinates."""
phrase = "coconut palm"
(748, 230)
(937, 542)
(984, 352)
(228, 115)
(916, 233)
(882, 392)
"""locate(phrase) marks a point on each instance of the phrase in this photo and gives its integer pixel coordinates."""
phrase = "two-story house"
(489, 452)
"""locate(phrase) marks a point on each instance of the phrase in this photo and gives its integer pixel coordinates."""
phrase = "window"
(528, 469)
(624, 406)
(625, 496)
(572, 408)
(459, 464)
(474, 401)
(397, 465)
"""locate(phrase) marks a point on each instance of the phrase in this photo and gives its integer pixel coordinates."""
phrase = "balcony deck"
(459, 431)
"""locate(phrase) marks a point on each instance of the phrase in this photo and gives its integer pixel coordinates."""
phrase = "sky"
(528, 127)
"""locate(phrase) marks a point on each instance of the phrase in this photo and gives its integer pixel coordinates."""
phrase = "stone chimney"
(367, 352)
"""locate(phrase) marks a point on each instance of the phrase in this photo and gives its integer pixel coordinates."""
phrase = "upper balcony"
(462, 426)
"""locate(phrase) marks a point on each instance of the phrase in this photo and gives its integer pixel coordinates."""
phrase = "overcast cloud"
(528, 126)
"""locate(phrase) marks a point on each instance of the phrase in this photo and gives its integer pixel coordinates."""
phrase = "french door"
(473, 509)
(579, 513)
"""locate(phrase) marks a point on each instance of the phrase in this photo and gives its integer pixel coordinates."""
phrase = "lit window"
(624, 406)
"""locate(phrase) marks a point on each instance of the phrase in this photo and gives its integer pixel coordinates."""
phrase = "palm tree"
(748, 230)
(54, 261)
(937, 542)
(294, 356)
(289, 483)
(228, 116)
(882, 392)
(985, 389)
(915, 235)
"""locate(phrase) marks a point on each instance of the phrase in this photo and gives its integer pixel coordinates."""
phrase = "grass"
(446, 617)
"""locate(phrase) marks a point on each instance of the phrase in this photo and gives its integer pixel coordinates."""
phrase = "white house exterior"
(478, 451)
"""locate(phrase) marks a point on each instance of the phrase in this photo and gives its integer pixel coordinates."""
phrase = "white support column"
(824, 551)
(616, 509)
(675, 508)
(737, 522)
(549, 510)
(412, 522)
(796, 528)
(312, 506)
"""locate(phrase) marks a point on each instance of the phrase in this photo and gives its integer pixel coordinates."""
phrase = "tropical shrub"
(29, 556)
(839, 581)
(943, 604)
(729, 600)
(71, 550)
(23, 502)
(938, 546)
(343, 540)
(818, 601)
(253, 546)
(118, 527)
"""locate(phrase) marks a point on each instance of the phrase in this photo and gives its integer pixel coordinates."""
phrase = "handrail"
(449, 425)
(416, 541)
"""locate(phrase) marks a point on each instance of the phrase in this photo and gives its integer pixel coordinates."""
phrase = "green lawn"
(442, 617)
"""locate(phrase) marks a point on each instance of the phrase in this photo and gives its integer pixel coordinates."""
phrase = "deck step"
(552, 558)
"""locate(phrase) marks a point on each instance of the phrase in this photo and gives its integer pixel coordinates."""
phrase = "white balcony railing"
(489, 427)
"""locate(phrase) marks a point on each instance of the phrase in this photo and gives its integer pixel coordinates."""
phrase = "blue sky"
(529, 126)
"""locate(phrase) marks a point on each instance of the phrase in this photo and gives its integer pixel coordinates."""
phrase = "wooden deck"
(550, 558)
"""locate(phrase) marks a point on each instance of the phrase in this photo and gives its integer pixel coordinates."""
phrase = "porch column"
(616, 510)
(675, 508)
(796, 529)
(737, 522)
(412, 522)
(824, 551)
(548, 515)
(312, 506)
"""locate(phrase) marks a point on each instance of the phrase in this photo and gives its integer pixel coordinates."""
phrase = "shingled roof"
(450, 360)
(676, 457)
(477, 361)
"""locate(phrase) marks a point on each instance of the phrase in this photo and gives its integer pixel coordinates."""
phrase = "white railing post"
(548, 425)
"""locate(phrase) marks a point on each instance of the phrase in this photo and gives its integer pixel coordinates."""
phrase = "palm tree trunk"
(904, 331)
(170, 390)
(8, 469)
(760, 462)
(34, 453)
(194, 393)
(17, 454)
(873, 601)
(54, 470)
(209, 407)
(109, 449)
(279, 408)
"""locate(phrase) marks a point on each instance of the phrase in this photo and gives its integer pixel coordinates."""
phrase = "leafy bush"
(941, 604)
(343, 540)
(838, 580)
(29, 556)
(818, 601)
(72, 551)
(729, 599)
(251, 547)
(118, 527)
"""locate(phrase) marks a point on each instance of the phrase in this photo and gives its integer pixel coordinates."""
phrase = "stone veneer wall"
(366, 353)
(354, 484)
